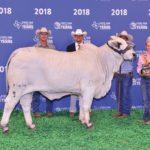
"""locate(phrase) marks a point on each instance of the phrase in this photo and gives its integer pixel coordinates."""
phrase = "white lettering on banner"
(81, 12)
(149, 12)
(25, 25)
(138, 25)
(139, 52)
(119, 12)
(2, 69)
(101, 25)
(60, 109)
(5, 11)
(101, 107)
(62, 25)
(135, 107)
(136, 81)
(87, 39)
(6, 39)
(113, 96)
(2, 98)
(42, 11)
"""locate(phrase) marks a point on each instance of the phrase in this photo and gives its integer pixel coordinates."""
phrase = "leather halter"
(116, 50)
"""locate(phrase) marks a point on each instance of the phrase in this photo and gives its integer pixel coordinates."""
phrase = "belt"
(146, 77)
(124, 74)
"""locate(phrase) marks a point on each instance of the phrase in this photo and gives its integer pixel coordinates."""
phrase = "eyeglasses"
(43, 33)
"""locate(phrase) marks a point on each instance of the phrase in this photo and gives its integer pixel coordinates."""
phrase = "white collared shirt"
(77, 45)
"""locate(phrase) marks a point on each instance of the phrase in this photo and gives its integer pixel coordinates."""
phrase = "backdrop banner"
(100, 18)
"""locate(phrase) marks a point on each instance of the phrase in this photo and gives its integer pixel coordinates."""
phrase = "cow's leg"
(25, 102)
(81, 112)
(87, 99)
(86, 110)
(10, 103)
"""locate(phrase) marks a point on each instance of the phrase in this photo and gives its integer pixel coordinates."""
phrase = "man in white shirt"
(78, 36)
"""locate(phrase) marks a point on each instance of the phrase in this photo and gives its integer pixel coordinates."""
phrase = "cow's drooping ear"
(114, 44)
(123, 43)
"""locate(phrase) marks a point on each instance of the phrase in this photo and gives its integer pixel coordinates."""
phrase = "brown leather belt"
(129, 74)
(146, 77)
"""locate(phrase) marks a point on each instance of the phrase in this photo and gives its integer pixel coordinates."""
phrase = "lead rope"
(119, 90)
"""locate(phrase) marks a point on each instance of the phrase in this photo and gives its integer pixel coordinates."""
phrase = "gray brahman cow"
(87, 73)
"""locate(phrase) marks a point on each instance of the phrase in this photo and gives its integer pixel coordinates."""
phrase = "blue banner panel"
(100, 18)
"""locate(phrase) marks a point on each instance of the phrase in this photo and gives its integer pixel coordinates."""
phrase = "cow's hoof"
(32, 126)
(89, 126)
(5, 130)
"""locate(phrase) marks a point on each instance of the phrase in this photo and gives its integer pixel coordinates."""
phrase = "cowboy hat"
(148, 39)
(126, 34)
(43, 30)
(78, 32)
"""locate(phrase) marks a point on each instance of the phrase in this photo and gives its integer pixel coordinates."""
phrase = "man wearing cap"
(42, 34)
(143, 70)
(124, 81)
(78, 37)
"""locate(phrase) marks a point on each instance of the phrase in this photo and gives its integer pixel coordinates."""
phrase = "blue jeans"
(123, 87)
(73, 103)
(37, 100)
(145, 89)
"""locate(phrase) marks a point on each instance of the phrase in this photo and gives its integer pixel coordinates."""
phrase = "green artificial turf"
(62, 133)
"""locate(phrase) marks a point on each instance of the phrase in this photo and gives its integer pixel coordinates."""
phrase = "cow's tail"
(7, 87)
(7, 65)
(7, 68)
